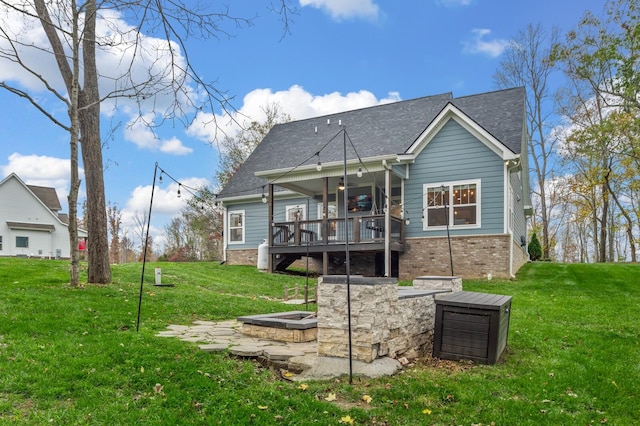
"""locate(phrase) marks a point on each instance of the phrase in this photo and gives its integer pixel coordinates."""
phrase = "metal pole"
(146, 242)
(345, 197)
(446, 216)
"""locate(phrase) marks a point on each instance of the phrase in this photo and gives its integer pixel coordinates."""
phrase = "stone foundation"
(473, 257)
(242, 257)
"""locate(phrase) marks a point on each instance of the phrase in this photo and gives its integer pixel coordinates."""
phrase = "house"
(411, 188)
(30, 221)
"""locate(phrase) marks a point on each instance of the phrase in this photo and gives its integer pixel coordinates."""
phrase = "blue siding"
(455, 155)
(256, 215)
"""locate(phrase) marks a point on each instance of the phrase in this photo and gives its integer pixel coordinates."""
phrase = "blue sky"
(339, 55)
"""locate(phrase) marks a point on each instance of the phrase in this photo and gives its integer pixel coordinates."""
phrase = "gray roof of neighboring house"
(48, 196)
(380, 130)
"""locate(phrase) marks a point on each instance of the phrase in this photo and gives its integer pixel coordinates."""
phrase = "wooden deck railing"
(358, 229)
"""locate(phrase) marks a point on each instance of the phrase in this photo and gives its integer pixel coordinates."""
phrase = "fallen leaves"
(346, 420)
(367, 399)
(330, 397)
(157, 389)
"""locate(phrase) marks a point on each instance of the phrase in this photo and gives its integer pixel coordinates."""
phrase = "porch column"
(270, 226)
(387, 223)
(325, 224)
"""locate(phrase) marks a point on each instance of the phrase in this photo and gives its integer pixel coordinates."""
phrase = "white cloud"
(42, 170)
(479, 44)
(125, 59)
(295, 102)
(345, 9)
(139, 132)
(165, 197)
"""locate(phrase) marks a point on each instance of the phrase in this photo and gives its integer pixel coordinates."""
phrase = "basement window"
(22, 242)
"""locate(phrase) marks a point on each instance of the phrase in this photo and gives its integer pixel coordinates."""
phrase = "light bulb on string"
(359, 173)
(179, 194)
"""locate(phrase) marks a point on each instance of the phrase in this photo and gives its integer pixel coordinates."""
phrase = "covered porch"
(363, 211)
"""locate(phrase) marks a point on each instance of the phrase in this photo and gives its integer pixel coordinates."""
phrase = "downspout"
(225, 232)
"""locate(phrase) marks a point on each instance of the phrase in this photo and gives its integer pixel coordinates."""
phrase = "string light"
(264, 197)
(160, 178)
(319, 165)
(179, 186)
(359, 173)
(341, 185)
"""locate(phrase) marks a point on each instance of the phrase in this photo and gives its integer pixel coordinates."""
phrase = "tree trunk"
(72, 198)
(99, 270)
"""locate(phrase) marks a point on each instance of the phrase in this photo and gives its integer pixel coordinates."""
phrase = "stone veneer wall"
(382, 323)
(473, 256)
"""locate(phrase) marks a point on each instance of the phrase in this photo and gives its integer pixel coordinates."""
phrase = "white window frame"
(450, 205)
(242, 227)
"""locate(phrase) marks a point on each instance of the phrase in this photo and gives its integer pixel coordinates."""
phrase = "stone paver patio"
(298, 358)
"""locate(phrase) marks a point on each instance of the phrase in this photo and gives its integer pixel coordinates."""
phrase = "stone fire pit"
(292, 326)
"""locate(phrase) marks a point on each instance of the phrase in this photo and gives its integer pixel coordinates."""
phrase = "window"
(455, 204)
(22, 242)
(236, 227)
(296, 213)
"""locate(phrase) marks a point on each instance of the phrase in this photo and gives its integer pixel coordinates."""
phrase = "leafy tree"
(602, 102)
(526, 63)
(234, 150)
(157, 78)
(535, 251)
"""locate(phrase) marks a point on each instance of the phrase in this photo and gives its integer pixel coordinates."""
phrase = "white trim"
(243, 226)
(450, 206)
(450, 111)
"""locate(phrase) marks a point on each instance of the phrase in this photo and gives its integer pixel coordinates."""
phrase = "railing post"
(356, 229)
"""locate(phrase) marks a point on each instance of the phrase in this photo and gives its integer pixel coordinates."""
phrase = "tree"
(602, 102)
(114, 215)
(155, 77)
(526, 63)
(234, 150)
(535, 251)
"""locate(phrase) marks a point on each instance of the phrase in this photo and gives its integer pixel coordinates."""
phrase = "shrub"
(535, 251)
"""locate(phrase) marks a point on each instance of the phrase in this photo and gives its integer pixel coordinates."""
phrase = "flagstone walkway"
(298, 358)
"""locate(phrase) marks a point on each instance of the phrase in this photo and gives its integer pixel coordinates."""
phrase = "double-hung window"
(236, 227)
(453, 204)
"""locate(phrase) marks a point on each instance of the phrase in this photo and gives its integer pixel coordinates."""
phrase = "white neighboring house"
(31, 223)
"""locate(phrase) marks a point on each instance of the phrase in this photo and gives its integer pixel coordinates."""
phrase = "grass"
(73, 356)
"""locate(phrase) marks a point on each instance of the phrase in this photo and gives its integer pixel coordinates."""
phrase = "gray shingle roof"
(381, 130)
(48, 196)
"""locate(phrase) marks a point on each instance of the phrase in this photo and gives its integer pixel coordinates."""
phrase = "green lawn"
(73, 356)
